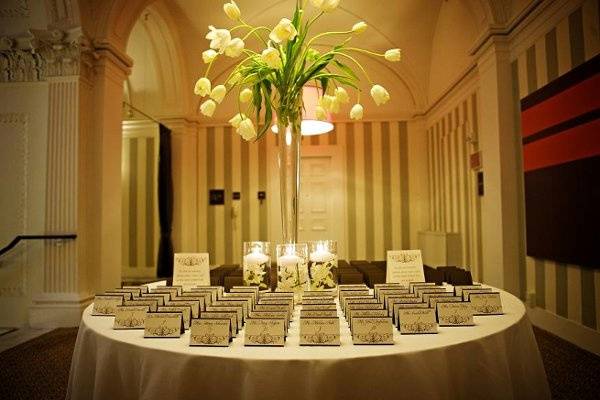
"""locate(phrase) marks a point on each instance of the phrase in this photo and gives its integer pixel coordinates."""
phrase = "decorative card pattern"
(417, 321)
(191, 269)
(319, 332)
(130, 317)
(372, 330)
(163, 325)
(486, 303)
(265, 332)
(106, 305)
(454, 314)
(210, 332)
(404, 266)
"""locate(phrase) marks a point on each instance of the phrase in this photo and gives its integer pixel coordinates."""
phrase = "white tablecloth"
(496, 359)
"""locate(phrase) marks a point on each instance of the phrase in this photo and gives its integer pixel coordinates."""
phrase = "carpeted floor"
(39, 369)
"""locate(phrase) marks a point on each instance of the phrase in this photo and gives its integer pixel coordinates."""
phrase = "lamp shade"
(311, 125)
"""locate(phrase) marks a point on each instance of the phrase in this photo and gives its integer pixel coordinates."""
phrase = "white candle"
(256, 257)
(321, 254)
(288, 260)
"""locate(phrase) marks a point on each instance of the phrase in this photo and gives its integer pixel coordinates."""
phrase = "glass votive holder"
(256, 264)
(322, 264)
(292, 269)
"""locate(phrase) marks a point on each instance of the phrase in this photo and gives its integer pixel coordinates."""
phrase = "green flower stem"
(357, 63)
(256, 34)
(359, 50)
(209, 66)
(326, 34)
(254, 30)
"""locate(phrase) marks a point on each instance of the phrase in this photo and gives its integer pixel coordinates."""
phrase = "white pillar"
(501, 235)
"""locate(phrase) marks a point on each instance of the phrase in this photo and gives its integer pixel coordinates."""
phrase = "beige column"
(184, 150)
(500, 218)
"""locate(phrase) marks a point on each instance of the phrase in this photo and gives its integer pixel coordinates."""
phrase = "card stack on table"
(319, 320)
(366, 316)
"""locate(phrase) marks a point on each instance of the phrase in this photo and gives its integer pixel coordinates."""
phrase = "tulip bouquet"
(269, 82)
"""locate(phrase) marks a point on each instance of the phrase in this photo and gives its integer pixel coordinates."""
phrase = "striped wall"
(139, 199)
(376, 188)
(566, 290)
(454, 206)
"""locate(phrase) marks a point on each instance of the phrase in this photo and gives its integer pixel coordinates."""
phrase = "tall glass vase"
(289, 174)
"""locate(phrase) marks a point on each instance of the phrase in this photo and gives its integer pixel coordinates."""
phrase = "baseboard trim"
(61, 311)
(581, 336)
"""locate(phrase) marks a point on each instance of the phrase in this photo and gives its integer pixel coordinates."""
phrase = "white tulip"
(342, 95)
(208, 108)
(393, 55)
(325, 5)
(271, 57)
(334, 108)
(320, 113)
(356, 112)
(202, 87)
(359, 27)
(209, 56)
(234, 48)
(325, 101)
(284, 30)
(246, 129)
(237, 119)
(218, 93)
(246, 95)
(379, 94)
(219, 38)
(232, 10)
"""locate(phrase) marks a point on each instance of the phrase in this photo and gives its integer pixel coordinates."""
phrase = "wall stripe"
(588, 298)
(227, 183)
(574, 292)
(351, 190)
(404, 193)
(377, 222)
(540, 284)
(387, 189)
(368, 182)
(576, 38)
(262, 184)
(551, 55)
(151, 215)
(550, 286)
(561, 290)
(210, 173)
(531, 70)
(133, 189)
(245, 195)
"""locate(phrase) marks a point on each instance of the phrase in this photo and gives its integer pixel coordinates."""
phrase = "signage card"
(130, 317)
(191, 269)
(210, 332)
(106, 305)
(454, 314)
(372, 330)
(486, 303)
(404, 266)
(319, 331)
(163, 325)
(264, 332)
(417, 321)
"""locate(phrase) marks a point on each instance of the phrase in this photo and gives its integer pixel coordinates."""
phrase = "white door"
(316, 216)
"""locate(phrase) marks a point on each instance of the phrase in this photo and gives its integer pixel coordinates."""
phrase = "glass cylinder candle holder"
(322, 264)
(256, 264)
(292, 268)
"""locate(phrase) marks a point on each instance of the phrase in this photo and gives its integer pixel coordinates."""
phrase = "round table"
(496, 359)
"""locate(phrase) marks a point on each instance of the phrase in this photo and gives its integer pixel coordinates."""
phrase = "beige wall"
(376, 188)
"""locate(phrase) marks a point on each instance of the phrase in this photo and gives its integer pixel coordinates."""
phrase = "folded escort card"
(412, 285)
(210, 332)
(364, 313)
(427, 295)
(322, 300)
(173, 291)
(356, 299)
(142, 289)
(236, 309)
(231, 303)
(362, 306)
(195, 305)
(178, 291)
(459, 288)
(319, 331)
(467, 292)
(166, 295)
(392, 301)
(454, 314)
(163, 325)
(421, 290)
(433, 300)
(317, 307)
(158, 297)
(264, 332)
(272, 315)
(318, 313)
(204, 298)
(317, 293)
(372, 330)
(152, 304)
(106, 305)
(186, 311)
(130, 317)
(403, 306)
(134, 292)
(417, 321)
(231, 315)
(387, 291)
(486, 303)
